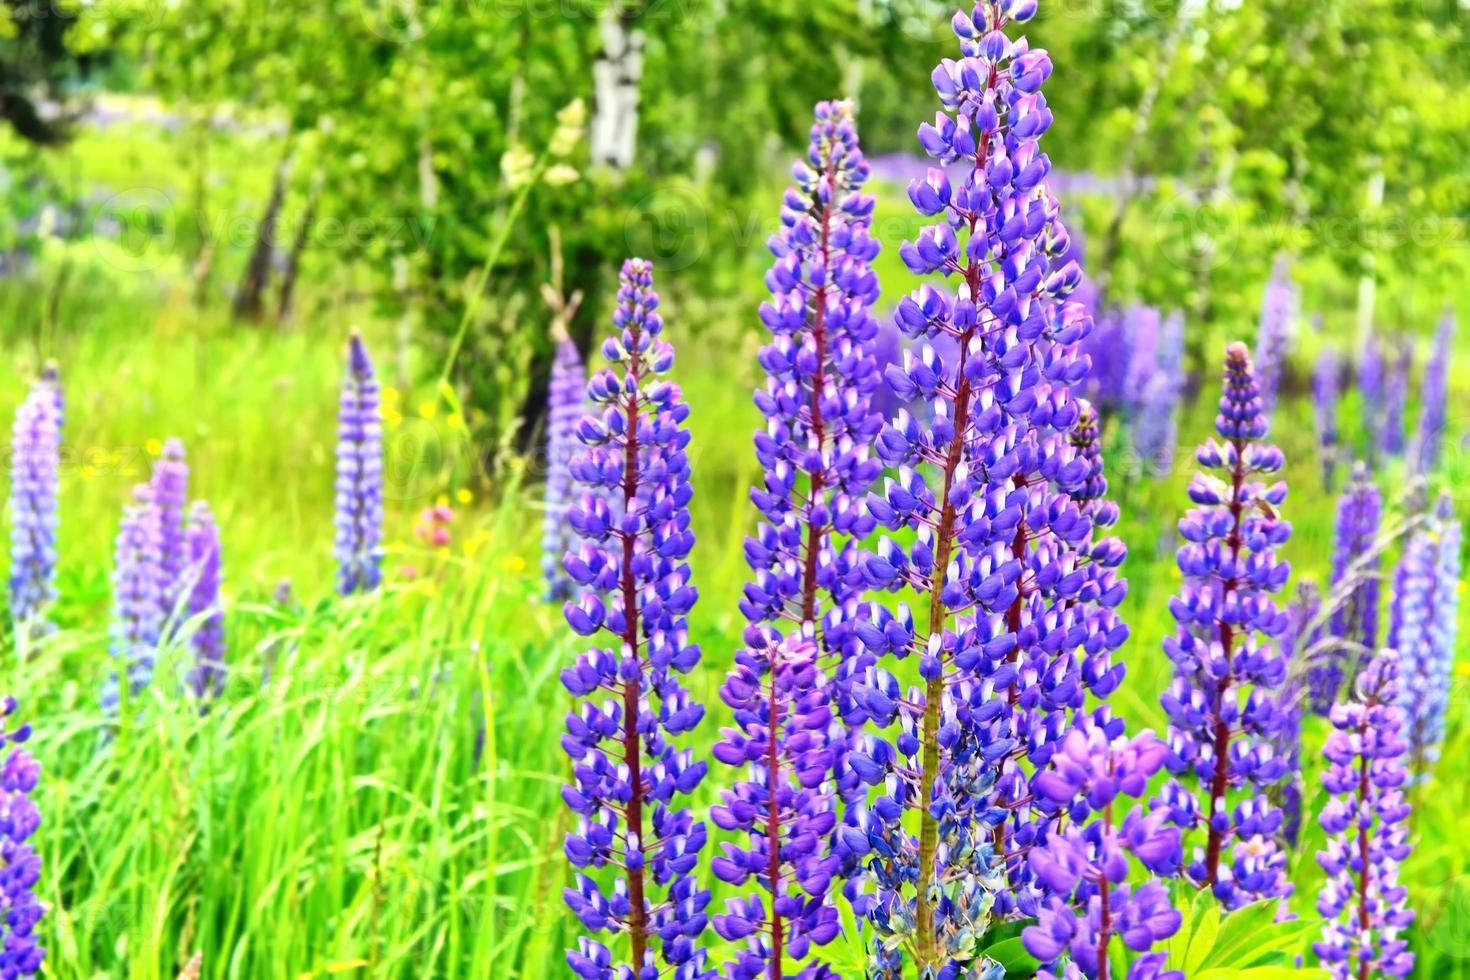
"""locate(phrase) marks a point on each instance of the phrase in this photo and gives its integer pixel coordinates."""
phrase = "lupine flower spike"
(1395, 396)
(1355, 565)
(20, 955)
(359, 477)
(137, 590)
(1324, 405)
(817, 401)
(566, 396)
(207, 677)
(34, 467)
(1016, 596)
(1371, 382)
(1434, 400)
(168, 492)
(1425, 629)
(634, 523)
(1362, 903)
(1086, 867)
(1280, 306)
(1223, 705)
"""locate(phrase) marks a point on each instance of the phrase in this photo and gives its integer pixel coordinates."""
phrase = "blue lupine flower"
(634, 522)
(1280, 306)
(20, 954)
(1223, 706)
(34, 472)
(1362, 904)
(359, 501)
(201, 535)
(1324, 408)
(1425, 628)
(1355, 565)
(137, 604)
(1434, 400)
(1395, 398)
(168, 494)
(565, 400)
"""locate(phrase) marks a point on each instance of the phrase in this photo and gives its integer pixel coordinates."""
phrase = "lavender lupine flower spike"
(207, 677)
(1086, 865)
(1355, 564)
(1222, 707)
(634, 522)
(20, 955)
(168, 494)
(1371, 381)
(1363, 904)
(1395, 396)
(814, 449)
(1434, 400)
(137, 589)
(1279, 308)
(1013, 629)
(1425, 628)
(565, 400)
(34, 468)
(1324, 405)
(359, 477)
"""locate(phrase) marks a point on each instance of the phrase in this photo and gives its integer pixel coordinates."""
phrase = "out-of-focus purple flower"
(566, 397)
(137, 616)
(20, 954)
(1017, 597)
(1434, 400)
(1223, 705)
(168, 492)
(784, 809)
(1362, 903)
(207, 678)
(1425, 628)
(35, 460)
(359, 486)
(1395, 397)
(1355, 571)
(632, 569)
(1298, 645)
(1091, 902)
(1371, 383)
(1280, 306)
(1324, 406)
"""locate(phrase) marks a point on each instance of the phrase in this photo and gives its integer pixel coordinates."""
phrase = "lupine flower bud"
(1425, 628)
(1324, 407)
(1017, 598)
(1086, 865)
(1362, 903)
(168, 493)
(137, 617)
(565, 400)
(1280, 306)
(1434, 400)
(359, 484)
(632, 569)
(20, 955)
(34, 471)
(1223, 705)
(207, 677)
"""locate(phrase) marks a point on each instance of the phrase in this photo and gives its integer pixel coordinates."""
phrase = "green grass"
(387, 805)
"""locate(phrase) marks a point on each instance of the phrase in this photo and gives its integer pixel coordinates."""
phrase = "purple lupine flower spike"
(34, 467)
(785, 810)
(1223, 705)
(1395, 397)
(565, 398)
(634, 523)
(1425, 629)
(1371, 390)
(137, 605)
(20, 954)
(207, 678)
(1324, 406)
(1092, 907)
(359, 487)
(1016, 598)
(169, 493)
(1280, 306)
(821, 376)
(1363, 904)
(1355, 565)
(1298, 646)
(1434, 400)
